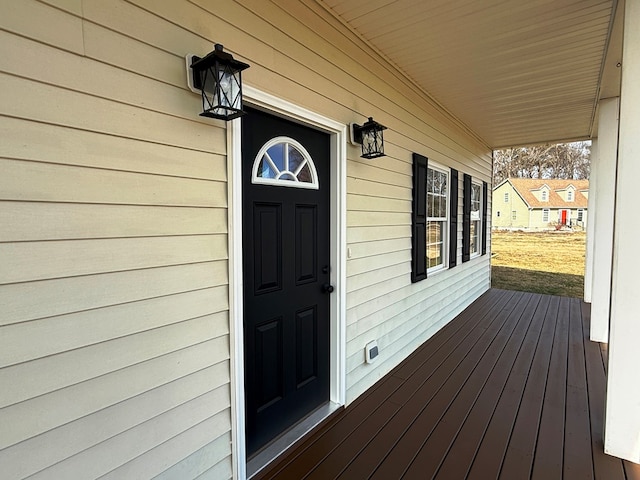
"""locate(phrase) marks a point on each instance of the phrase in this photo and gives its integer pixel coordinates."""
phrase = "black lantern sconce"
(370, 137)
(218, 77)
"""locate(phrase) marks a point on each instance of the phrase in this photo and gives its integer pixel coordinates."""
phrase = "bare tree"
(563, 160)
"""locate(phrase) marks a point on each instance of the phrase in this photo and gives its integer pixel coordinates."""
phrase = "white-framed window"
(437, 217)
(284, 162)
(545, 215)
(506, 197)
(580, 215)
(476, 219)
(514, 214)
(569, 195)
(545, 195)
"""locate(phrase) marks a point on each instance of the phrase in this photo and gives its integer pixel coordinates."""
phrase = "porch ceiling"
(515, 72)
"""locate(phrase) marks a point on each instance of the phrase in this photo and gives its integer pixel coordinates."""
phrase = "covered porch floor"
(512, 388)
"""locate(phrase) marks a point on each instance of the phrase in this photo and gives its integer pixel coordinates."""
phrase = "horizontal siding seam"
(127, 399)
(432, 313)
(384, 329)
(179, 434)
(109, 339)
(111, 134)
(200, 342)
(221, 259)
(409, 338)
(118, 170)
(137, 425)
(135, 237)
(147, 205)
(194, 119)
(433, 289)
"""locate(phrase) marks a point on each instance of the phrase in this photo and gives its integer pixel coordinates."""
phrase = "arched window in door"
(283, 161)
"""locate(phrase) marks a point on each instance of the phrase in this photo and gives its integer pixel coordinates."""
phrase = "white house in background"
(177, 290)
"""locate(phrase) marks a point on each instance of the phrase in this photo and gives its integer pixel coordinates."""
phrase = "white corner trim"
(236, 341)
(338, 238)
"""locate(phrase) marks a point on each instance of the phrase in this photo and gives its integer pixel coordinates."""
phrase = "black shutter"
(484, 217)
(466, 219)
(419, 219)
(453, 218)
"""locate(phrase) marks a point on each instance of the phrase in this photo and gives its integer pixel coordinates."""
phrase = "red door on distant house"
(563, 217)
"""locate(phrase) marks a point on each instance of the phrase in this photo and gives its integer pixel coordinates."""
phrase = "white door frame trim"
(338, 231)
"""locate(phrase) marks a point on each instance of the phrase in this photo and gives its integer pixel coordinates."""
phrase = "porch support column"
(591, 223)
(604, 170)
(622, 426)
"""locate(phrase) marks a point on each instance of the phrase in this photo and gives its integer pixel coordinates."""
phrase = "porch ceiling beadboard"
(514, 72)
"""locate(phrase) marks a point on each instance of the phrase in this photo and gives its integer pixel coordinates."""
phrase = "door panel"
(306, 347)
(285, 264)
(306, 244)
(267, 247)
(270, 375)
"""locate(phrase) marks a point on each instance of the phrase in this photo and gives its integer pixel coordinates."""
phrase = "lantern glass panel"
(372, 145)
(229, 91)
(224, 97)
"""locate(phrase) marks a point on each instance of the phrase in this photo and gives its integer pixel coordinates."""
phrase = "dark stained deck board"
(490, 375)
(307, 454)
(495, 444)
(518, 459)
(512, 388)
(364, 465)
(632, 470)
(578, 460)
(467, 442)
(408, 446)
(547, 462)
(424, 384)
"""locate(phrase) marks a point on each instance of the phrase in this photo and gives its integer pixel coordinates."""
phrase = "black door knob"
(327, 288)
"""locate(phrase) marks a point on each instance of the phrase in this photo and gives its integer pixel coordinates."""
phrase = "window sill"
(435, 270)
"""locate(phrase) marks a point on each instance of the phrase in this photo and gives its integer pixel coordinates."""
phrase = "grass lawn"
(540, 262)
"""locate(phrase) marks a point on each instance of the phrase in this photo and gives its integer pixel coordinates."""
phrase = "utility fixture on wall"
(370, 137)
(218, 78)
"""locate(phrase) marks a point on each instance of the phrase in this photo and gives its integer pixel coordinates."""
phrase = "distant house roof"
(526, 186)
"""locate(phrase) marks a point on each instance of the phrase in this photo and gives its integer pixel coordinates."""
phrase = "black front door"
(285, 169)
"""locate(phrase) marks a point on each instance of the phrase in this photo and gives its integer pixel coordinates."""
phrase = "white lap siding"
(114, 324)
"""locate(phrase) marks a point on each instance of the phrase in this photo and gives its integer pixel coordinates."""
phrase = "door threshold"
(276, 447)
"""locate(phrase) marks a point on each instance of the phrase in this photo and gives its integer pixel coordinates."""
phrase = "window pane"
(305, 174)
(295, 158)
(265, 170)
(435, 244)
(475, 194)
(287, 176)
(475, 236)
(276, 152)
(443, 207)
